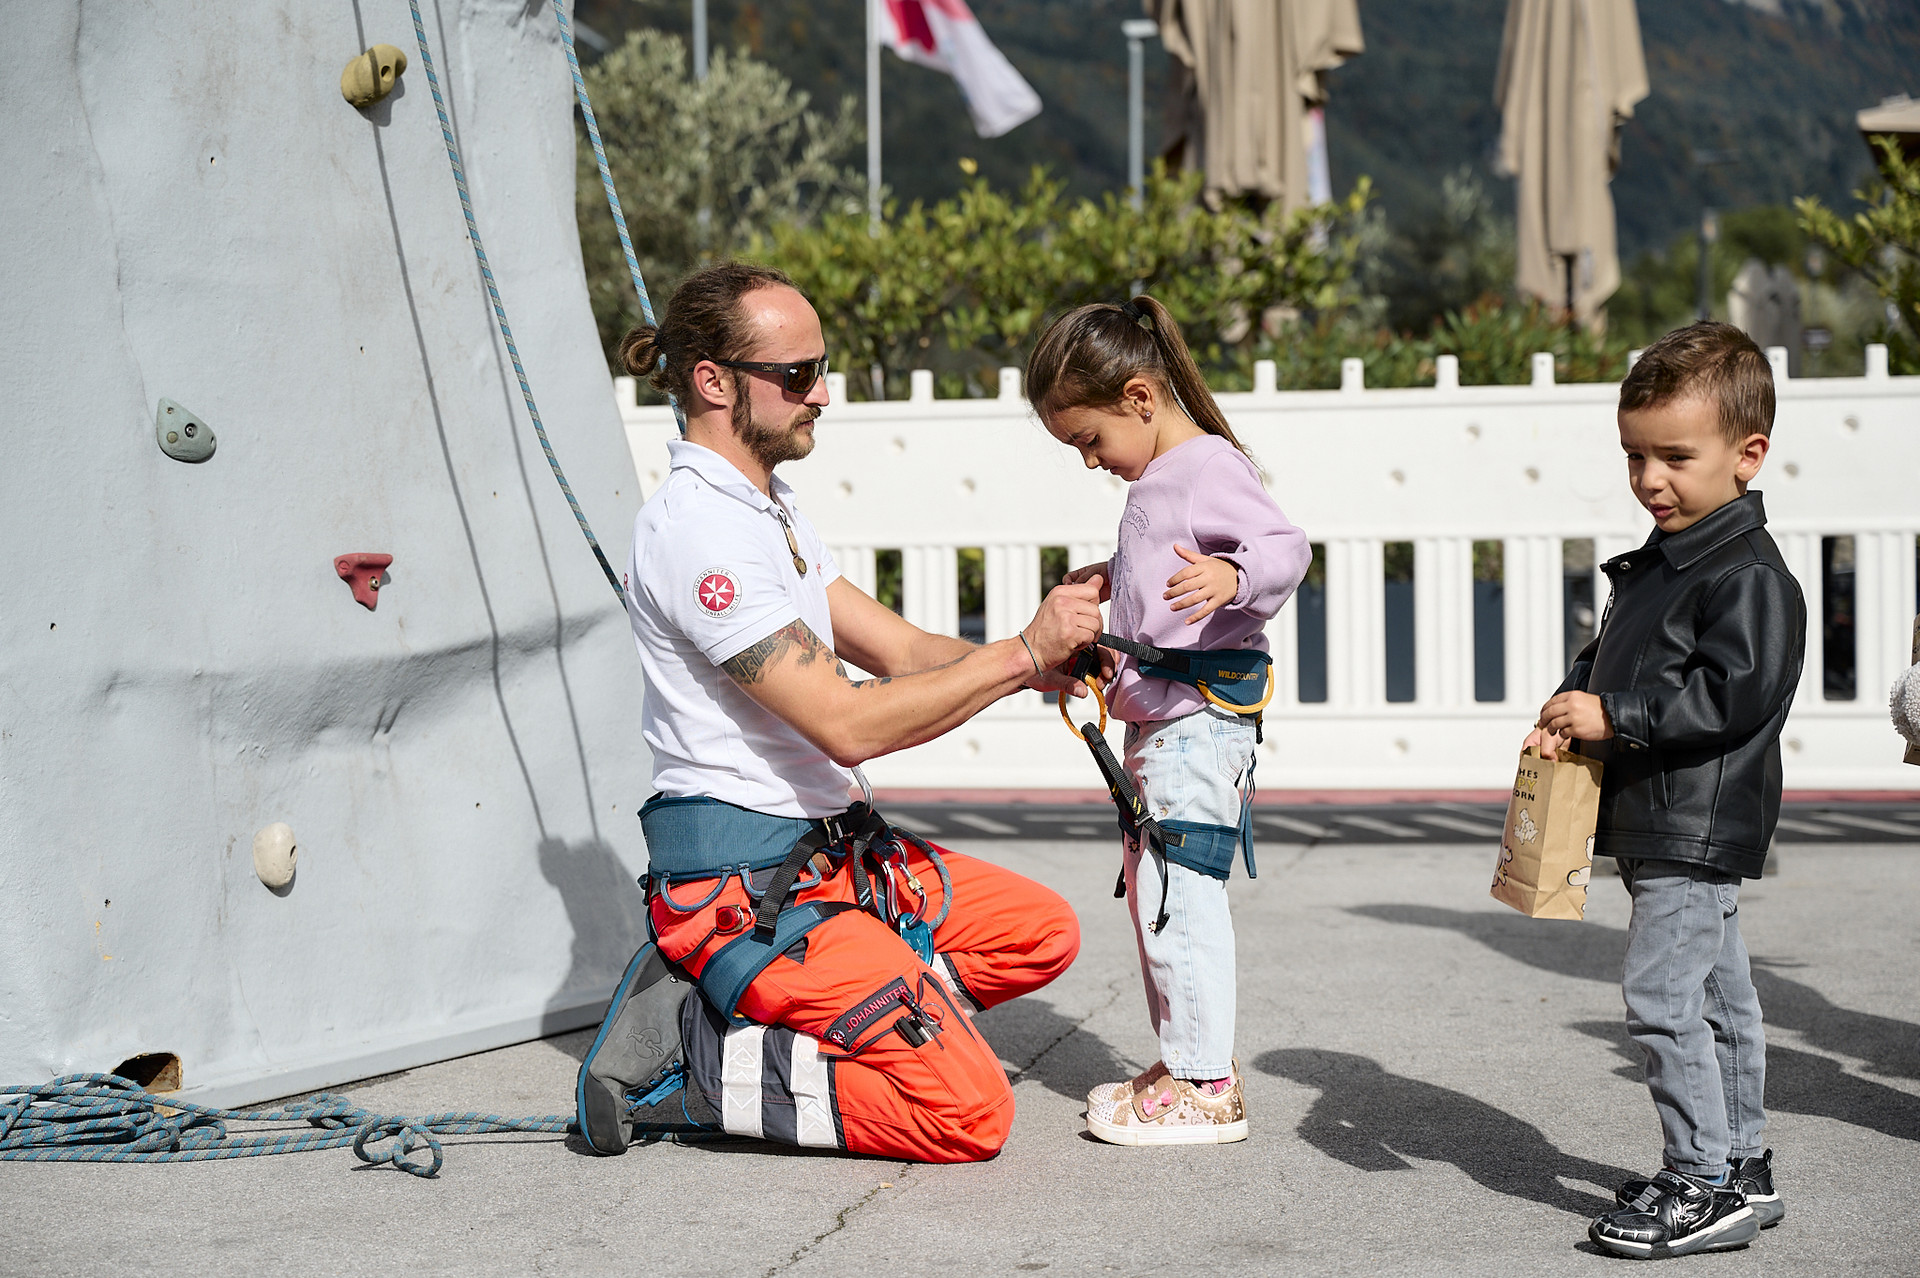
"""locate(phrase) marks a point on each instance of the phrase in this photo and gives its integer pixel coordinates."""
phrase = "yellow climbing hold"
(372, 75)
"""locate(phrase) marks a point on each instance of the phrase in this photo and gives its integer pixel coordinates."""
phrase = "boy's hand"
(1205, 584)
(1575, 716)
(1088, 573)
(1547, 743)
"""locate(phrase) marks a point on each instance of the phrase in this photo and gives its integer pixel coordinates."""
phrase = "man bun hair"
(1087, 356)
(1701, 361)
(703, 320)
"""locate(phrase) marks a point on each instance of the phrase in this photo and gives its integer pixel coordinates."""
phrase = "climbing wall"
(195, 215)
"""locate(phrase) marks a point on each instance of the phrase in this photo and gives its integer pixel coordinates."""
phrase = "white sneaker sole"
(1730, 1234)
(1197, 1134)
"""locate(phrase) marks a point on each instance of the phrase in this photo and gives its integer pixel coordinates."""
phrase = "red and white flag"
(944, 35)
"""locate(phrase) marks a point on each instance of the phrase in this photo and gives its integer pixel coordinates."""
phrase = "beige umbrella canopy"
(1246, 72)
(1570, 74)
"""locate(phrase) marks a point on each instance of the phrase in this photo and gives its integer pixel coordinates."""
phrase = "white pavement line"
(986, 825)
(919, 824)
(1871, 823)
(1298, 827)
(1457, 823)
(1057, 818)
(1081, 832)
(1383, 827)
(1807, 827)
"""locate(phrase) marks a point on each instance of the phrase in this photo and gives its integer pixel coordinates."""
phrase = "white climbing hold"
(274, 853)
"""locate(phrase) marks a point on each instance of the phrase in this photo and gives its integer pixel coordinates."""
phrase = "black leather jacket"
(1696, 663)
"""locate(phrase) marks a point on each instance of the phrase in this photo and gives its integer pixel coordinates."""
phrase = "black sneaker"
(634, 1072)
(1753, 1177)
(1677, 1215)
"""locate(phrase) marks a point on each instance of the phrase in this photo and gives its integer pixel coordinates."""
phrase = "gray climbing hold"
(181, 435)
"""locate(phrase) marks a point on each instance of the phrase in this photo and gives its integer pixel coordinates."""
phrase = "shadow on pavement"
(1589, 951)
(1051, 1049)
(1800, 1083)
(1374, 1120)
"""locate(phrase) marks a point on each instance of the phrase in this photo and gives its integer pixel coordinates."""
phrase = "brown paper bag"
(1546, 849)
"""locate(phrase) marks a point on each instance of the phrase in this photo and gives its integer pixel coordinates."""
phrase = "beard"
(769, 444)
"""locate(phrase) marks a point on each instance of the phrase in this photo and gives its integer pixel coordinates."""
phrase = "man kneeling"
(838, 961)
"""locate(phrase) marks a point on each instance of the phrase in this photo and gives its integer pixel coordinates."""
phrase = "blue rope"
(499, 309)
(103, 1118)
(606, 181)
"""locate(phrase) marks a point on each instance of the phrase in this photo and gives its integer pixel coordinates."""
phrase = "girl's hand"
(1205, 584)
(1089, 573)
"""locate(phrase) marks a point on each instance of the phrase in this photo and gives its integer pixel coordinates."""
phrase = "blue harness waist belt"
(695, 839)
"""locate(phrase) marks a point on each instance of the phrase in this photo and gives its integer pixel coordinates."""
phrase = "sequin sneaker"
(1163, 1110)
(1113, 1093)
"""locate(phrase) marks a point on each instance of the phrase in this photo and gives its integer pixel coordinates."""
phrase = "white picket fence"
(1532, 467)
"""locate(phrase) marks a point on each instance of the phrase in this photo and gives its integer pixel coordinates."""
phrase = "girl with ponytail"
(1205, 558)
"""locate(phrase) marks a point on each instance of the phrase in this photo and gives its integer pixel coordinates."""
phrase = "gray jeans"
(1692, 1009)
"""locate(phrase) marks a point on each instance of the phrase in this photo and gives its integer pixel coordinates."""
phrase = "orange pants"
(946, 1100)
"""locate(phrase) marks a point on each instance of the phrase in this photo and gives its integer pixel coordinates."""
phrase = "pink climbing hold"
(365, 573)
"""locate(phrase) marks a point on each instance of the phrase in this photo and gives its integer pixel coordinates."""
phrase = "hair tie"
(1133, 311)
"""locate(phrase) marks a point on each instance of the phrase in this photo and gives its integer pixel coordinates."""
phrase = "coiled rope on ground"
(103, 1118)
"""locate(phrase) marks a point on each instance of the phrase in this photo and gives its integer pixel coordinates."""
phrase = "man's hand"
(1206, 583)
(1068, 620)
(1092, 572)
(1574, 716)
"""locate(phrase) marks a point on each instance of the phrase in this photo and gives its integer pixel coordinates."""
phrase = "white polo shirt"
(710, 576)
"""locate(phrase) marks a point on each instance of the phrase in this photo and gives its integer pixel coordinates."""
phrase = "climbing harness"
(705, 841)
(1237, 680)
(103, 1118)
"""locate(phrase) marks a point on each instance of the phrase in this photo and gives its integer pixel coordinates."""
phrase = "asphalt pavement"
(1436, 1086)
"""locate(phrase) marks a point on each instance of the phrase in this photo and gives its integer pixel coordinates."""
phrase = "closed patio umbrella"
(1570, 74)
(1246, 73)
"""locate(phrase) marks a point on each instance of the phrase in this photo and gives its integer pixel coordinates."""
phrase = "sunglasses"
(796, 378)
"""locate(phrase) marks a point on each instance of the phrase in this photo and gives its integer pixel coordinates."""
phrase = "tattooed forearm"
(750, 666)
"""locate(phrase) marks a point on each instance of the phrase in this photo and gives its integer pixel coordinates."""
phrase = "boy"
(1682, 694)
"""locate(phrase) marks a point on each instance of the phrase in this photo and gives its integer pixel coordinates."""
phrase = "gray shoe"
(634, 1075)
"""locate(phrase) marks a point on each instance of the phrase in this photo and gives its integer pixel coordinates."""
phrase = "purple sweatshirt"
(1205, 495)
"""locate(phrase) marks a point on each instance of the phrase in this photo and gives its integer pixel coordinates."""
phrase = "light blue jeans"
(1189, 769)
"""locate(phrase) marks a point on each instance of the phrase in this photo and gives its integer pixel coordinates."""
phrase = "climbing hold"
(366, 573)
(372, 75)
(181, 435)
(274, 853)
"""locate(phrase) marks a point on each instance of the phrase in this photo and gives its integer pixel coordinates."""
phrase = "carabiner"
(1093, 688)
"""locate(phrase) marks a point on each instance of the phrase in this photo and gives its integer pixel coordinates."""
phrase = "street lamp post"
(699, 39)
(873, 116)
(1137, 31)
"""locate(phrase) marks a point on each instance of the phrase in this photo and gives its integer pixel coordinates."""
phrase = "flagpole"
(873, 116)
